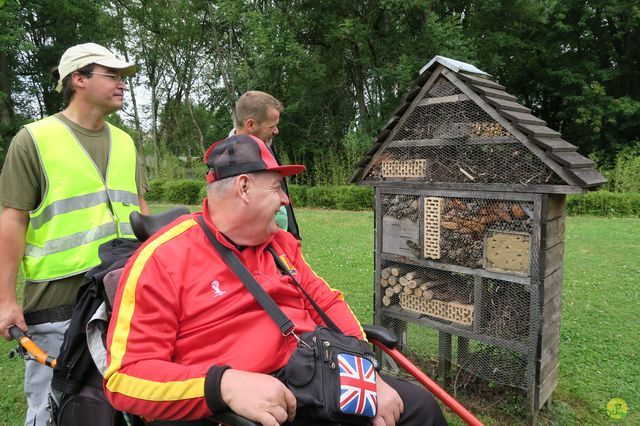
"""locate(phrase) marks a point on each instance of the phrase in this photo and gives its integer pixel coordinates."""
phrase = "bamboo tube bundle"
(415, 284)
(420, 284)
(389, 297)
(389, 283)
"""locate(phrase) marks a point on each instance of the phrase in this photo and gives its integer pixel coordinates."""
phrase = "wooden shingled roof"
(577, 172)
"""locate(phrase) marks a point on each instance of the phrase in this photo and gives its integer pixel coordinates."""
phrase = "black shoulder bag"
(331, 374)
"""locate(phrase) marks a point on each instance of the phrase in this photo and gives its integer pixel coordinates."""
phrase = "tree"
(340, 67)
(10, 43)
(35, 34)
(575, 63)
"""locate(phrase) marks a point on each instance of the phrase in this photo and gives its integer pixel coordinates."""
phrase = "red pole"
(435, 389)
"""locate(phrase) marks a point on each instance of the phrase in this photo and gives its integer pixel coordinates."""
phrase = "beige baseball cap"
(80, 55)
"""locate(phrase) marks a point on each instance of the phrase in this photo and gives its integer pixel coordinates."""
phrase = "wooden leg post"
(444, 361)
(463, 350)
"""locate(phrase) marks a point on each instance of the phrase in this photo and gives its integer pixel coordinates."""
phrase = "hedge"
(156, 190)
(298, 195)
(343, 197)
(183, 191)
(352, 197)
(604, 203)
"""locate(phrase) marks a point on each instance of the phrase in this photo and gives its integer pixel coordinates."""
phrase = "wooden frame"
(543, 240)
(508, 123)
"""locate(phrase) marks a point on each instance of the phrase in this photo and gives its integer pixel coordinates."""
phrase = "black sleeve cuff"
(212, 394)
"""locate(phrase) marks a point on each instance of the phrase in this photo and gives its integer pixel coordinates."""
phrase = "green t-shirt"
(22, 186)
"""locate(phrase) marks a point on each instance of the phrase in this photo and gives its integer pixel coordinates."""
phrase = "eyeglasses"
(115, 77)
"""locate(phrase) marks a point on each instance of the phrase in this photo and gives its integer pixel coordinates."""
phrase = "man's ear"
(250, 125)
(242, 185)
(78, 80)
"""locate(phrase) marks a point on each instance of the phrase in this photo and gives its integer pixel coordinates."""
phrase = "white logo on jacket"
(215, 286)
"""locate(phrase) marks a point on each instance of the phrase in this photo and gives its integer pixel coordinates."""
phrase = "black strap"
(55, 314)
(318, 309)
(284, 323)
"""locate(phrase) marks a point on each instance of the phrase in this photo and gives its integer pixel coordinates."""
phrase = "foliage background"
(340, 67)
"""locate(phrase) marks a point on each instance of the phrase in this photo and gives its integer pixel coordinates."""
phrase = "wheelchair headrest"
(144, 226)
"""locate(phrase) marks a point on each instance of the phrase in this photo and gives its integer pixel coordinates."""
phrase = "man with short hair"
(258, 114)
(68, 184)
(187, 339)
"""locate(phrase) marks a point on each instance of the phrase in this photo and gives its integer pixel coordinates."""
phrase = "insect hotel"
(470, 193)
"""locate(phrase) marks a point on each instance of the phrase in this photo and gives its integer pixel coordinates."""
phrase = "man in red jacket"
(187, 338)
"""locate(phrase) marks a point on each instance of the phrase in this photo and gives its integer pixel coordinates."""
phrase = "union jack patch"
(357, 386)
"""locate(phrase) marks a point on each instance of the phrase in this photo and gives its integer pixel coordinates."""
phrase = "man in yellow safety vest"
(68, 184)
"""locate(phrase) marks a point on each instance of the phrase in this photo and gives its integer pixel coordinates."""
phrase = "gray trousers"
(37, 377)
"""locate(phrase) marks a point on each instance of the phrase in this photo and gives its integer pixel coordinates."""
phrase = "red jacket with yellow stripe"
(180, 314)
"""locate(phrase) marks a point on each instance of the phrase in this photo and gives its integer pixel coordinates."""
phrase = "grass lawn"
(600, 348)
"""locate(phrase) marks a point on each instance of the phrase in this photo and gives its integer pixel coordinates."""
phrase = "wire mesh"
(507, 306)
(456, 141)
(448, 120)
(461, 265)
(474, 358)
(442, 87)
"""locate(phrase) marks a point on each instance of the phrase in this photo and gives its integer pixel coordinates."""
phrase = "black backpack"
(76, 382)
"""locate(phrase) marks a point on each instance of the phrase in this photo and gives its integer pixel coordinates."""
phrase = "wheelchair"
(144, 226)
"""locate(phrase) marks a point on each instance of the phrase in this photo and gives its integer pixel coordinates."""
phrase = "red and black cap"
(241, 154)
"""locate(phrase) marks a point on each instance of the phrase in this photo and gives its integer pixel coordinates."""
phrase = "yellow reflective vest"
(79, 210)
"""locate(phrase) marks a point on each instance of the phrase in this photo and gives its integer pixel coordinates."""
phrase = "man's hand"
(390, 404)
(258, 397)
(10, 314)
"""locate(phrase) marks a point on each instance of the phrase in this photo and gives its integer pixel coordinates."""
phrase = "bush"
(624, 174)
(203, 193)
(351, 197)
(298, 195)
(344, 197)
(321, 196)
(184, 191)
(627, 171)
(173, 168)
(604, 203)
(156, 190)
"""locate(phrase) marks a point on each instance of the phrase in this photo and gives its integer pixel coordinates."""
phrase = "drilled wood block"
(431, 240)
(399, 236)
(507, 252)
(450, 311)
(407, 168)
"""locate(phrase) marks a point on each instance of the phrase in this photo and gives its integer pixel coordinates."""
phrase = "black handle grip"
(381, 334)
(16, 333)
